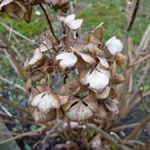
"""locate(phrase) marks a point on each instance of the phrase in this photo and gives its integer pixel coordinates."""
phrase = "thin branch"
(48, 20)
(145, 40)
(13, 84)
(122, 127)
(132, 15)
(22, 119)
(108, 137)
(31, 133)
(137, 131)
(18, 34)
(17, 107)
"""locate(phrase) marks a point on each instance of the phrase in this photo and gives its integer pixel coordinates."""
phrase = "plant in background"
(75, 80)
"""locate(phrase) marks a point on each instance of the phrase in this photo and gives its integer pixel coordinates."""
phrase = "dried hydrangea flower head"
(85, 72)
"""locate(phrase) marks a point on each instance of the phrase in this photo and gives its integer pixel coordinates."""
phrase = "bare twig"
(22, 119)
(145, 40)
(17, 107)
(108, 137)
(48, 20)
(137, 131)
(122, 127)
(32, 133)
(14, 63)
(18, 34)
(132, 13)
(13, 84)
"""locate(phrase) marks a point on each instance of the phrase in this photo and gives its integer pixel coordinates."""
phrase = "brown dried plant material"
(112, 105)
(117, 79)
(103, 94)
(66, 60)
(36, 60)
(15, 9)
(79, 110)
(120, 59)
(101, 113)
(114, 45)
(71, 22)
(96, 35)
(93, 50)
(43, 106)
(60, 4)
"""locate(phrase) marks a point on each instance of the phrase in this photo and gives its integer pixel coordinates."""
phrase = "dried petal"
(71, 22)
(120, 59)
(114, 45)
(112, 105)
(104, 62)
(45, 102)
(67, 60)
(104, 94)
(92, 49)
(79, 112)
(41, 117)
(96, 80)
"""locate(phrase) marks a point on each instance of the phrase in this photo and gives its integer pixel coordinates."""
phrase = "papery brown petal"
(79, 111)
(93, 50)
(28, 14)
(103, 94)
(120, 59)
(101, 113)
(112, 105)
(16, 9)
(96, 142)
(41, 117)
(118, 79)
(91, 102)
(98, 32)
(113, 94)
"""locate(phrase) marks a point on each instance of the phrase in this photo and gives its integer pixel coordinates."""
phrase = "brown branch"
(31, 133)
(11, 58)
(48, 20)
(137, 131)
(22, 119)
(9, 103)
(108, 137)
(22, 89)
(133, 13)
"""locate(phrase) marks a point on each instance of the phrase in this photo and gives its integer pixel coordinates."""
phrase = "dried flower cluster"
(85, 71)
(22, 9)
(74, 77)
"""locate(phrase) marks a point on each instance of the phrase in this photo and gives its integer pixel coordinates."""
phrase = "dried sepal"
(101, 113)
(103, 94)
(60, 4)
(112, 105)
(36, 60)
(104, 62)
(114, 45)
(71, 22)
(43, 104)
(66, 60)
(15, 9)
(96, 80)
(93, 50)
(80, 110)
(117, 79)
(120, 59)
(42, 117)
